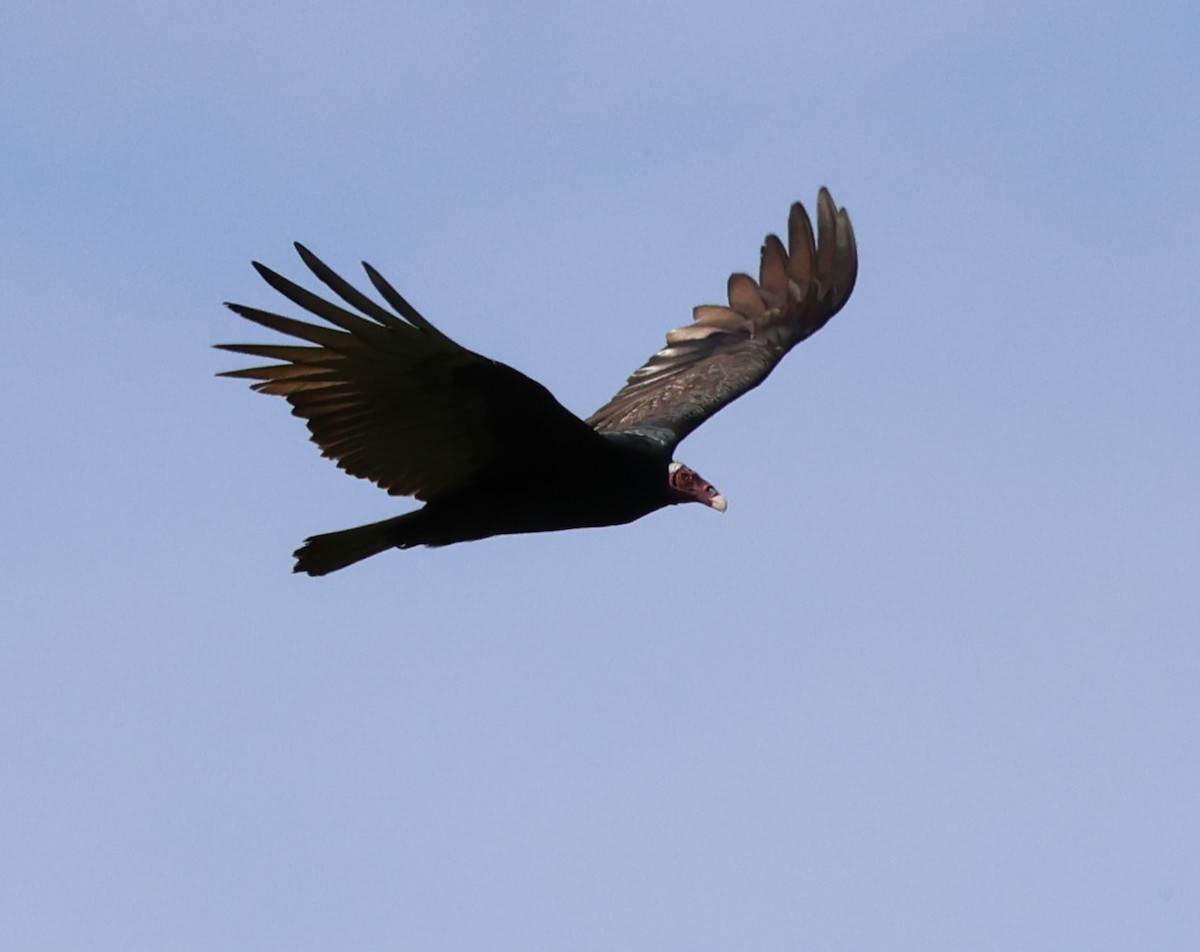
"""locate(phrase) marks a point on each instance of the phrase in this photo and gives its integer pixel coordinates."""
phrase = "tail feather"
(322, 554)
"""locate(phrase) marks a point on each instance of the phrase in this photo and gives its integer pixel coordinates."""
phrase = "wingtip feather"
(802, 246)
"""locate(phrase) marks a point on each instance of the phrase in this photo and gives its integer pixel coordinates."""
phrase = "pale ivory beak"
(719, 503)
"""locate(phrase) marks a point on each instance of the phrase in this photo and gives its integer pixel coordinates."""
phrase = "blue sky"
(929, 684)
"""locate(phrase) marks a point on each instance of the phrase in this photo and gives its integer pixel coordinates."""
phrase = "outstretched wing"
(729, 350)
(392, 399)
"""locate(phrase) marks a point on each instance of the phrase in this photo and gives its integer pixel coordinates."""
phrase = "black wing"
(729, 350)
(392, 399)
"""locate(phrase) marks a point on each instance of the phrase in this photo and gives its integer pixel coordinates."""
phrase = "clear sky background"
(931, 683)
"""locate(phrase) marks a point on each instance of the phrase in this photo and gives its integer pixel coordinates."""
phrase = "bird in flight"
(392, 399)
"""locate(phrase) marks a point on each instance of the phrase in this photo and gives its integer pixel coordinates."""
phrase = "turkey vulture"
(489, 451)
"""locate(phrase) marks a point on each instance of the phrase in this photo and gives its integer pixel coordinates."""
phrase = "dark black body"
(624, 482)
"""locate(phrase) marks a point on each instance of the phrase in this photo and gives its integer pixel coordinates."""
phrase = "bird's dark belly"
(568, 507)
(531, 506)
